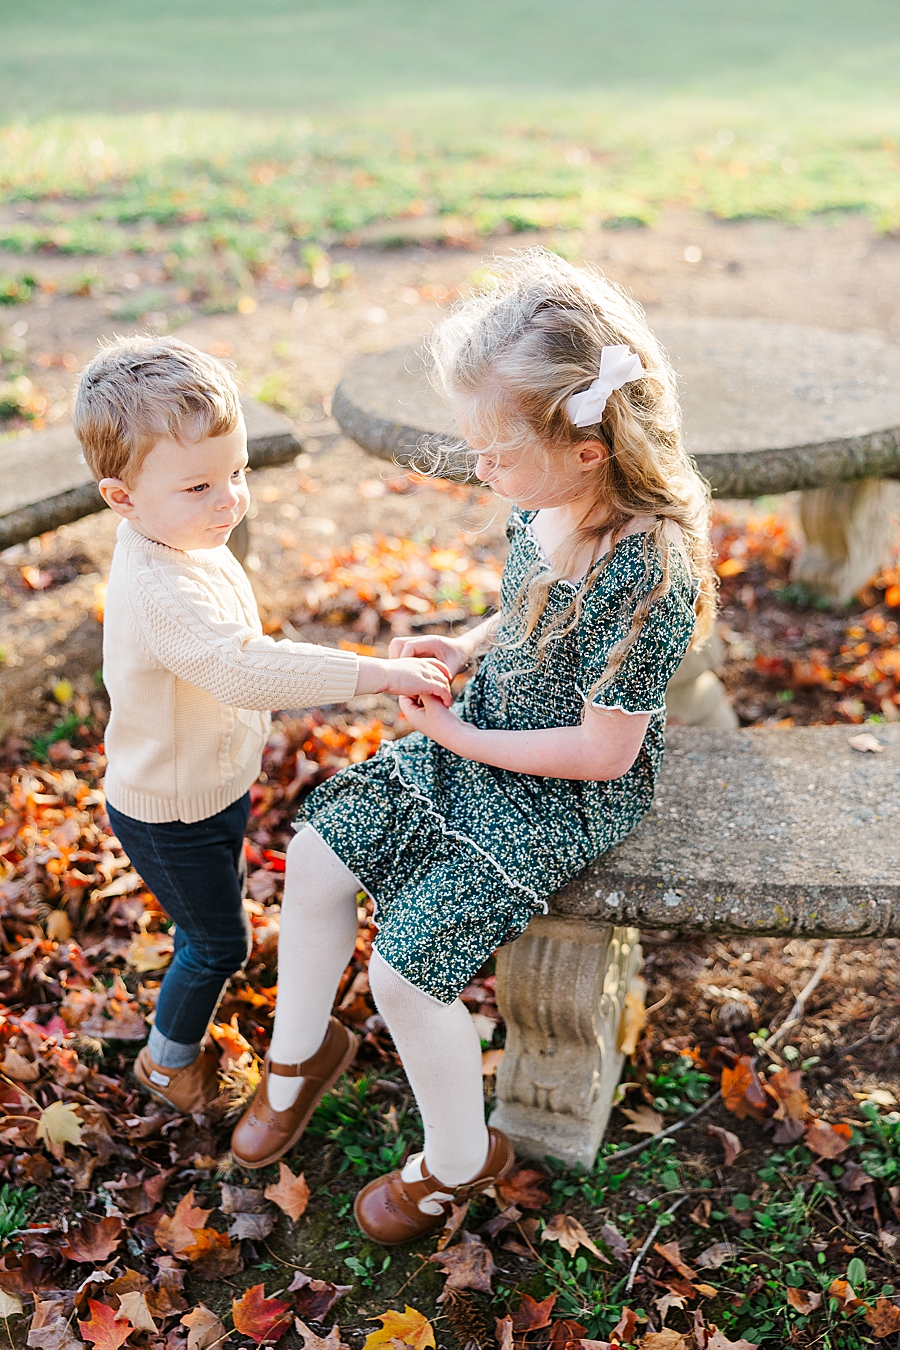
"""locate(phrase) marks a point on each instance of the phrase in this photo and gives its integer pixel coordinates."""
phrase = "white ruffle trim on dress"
(450, 833)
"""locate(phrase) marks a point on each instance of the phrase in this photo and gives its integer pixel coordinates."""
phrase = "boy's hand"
(451, 652)
(412, 678)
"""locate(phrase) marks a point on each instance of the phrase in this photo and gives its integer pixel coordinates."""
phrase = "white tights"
(437, 1043)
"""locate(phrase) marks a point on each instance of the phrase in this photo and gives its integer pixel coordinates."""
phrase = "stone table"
(45, 483)
(768, 408)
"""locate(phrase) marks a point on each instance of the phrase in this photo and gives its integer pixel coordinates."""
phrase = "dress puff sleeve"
(639, 684)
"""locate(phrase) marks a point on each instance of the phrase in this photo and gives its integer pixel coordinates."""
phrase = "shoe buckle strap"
(286, 1070)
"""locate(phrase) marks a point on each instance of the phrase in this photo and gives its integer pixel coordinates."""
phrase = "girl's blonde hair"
(510, 356)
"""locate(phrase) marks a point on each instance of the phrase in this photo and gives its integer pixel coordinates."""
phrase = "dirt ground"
(292, 350)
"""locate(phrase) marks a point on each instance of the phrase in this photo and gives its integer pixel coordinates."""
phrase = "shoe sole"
(438, 1223)
(295, 1138)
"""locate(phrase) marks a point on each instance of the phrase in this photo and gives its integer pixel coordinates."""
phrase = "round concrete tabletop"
(767, 407)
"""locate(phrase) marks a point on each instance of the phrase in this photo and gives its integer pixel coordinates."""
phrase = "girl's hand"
(413, 678)
(454, 653)
(430, 715)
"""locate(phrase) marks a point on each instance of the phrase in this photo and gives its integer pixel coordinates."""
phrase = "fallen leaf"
(313, 1342)
(50, 1327)
(10, 1306)
(468, 1265)
(786, 1086)
(203, 1327)
(213, 1255)
(531, 1315)
(457, 1218)
(490, 1062)
(626, 1326)
(290, 1193)
(644, 1120)
(742, 1090)
(671, 1252)
(59, 1124)
(667, 1339)
(865, 743)
(260, 1318)
(93, 1241)
(566, 1332)
(16, 1066)
(570, 1235)
(719, 1341)
(254, 1227)
(503, 1331)
(241, 1200)
(844, 1293)
(827, 1141)
(716, 1255)
(315, 1298)
(730, 1142)
(523, 1187)
(411, 1327)
(669, 1300)
(26, 1274)
(634, 1018)
(149, 951)
(133, 1308)
(104, 1328)
(616, 1243)
(884, 1318)
(176, 1232)
(804, 1300)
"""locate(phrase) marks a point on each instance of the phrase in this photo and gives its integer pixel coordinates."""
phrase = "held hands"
(437, 721)
(454, 653)
(410, 677)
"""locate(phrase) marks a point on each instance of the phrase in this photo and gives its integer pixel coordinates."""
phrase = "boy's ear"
(117, 495)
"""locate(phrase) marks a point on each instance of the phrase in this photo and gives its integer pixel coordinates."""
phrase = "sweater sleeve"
(227, 658)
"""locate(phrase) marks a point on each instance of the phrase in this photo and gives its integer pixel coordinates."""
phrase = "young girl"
(462, 830)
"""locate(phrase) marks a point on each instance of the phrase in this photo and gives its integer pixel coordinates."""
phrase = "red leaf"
(531, 1315)
(523, 1187)
(104, 1329)
(260, 1318)
(566, 1332)
(315, 1298)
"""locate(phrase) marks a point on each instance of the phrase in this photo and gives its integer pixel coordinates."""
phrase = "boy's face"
(187, 496)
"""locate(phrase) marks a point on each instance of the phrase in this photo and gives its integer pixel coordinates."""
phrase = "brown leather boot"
(390, 1210)
(262, 1135)
(189, 1089)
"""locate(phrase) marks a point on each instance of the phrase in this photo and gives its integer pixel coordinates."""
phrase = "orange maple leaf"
(290, 1193)
(176, 1232)
(742, 1091)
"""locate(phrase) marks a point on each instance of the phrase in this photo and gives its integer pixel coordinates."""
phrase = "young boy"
(191, 677)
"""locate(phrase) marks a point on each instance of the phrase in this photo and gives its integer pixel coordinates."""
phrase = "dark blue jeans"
(196, 873)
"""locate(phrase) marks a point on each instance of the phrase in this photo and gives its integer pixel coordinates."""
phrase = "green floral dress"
(458, 856)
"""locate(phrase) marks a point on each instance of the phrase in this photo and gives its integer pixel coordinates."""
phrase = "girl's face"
(533, 479)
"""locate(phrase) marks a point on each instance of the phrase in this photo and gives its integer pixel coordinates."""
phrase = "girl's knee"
(313, 870)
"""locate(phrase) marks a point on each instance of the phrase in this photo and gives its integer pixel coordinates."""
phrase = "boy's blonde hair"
(512, 355)
(137, 390)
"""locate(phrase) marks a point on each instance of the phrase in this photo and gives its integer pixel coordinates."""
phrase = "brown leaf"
(454, 1223)
(616, 1243)
(523, 1187)
(644, 1120)
(94, 1242)
(177, 1232)
(884, 1318)
(626, 1326)
(330, 1342)
(667, 1339)
(315, 1298)
(531, 1315)
(669, 1300)
(742, 1090)
(252, 1226)
(504, 1219)
(166, 1298)
(730, 1142)
(26, 1274)
(719, 1341)
(203, 1327)
(260, 1318)
(213, 1255)
(133, 1308)
(855, 1178)
(290, 1193)
(570, 1235)
(503, 1331)
(827, 1141)
(50, 1327)
(804, 1300)
(716, 1255)
(785, 1087)
(670, 1252)
(700, 1215)
(566, 1332)
(844, 1293)
(468, 1265)
(241, 1200)
(634, 1018)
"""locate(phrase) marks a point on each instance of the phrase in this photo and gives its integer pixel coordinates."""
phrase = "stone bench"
(45, 483)
(779, 831)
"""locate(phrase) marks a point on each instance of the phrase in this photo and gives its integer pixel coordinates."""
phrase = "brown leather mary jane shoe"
(390, 1210)
(262, 1135)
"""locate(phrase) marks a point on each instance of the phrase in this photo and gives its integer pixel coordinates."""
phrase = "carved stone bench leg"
(848, 530)
(561, 988)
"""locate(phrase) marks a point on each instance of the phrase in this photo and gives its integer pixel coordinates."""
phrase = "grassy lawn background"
(246, 132)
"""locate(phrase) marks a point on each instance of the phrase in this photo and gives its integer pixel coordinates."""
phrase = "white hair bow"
(618, 366)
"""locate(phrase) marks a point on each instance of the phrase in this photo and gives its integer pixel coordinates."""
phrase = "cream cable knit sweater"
(192, 678)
